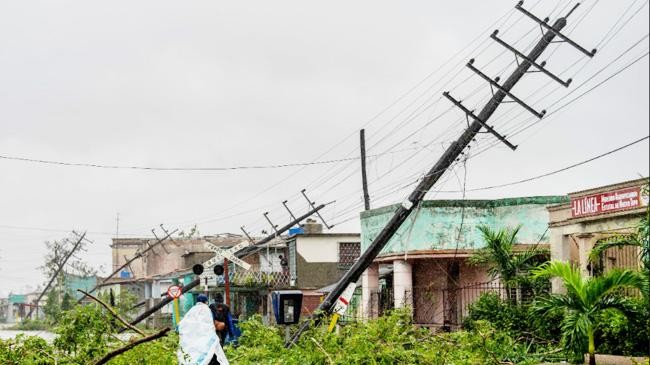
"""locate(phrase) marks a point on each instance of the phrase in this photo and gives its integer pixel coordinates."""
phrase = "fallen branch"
(491, 353)
(112, 311)
(133, 344)
(322, 350)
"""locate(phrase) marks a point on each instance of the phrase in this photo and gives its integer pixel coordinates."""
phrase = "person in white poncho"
(199, 344)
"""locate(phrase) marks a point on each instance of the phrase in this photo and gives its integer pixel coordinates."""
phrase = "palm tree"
(584, 301)
(501, 259)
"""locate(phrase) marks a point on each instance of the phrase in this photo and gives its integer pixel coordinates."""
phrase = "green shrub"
(540, 334)
(26, 350)
(390, 339)
(619, 334)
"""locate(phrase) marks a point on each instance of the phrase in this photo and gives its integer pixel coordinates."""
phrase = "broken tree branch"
(112, 311)
(133, 344)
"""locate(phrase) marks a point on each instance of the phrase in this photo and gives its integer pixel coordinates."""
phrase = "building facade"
(426, 265)
(318, 259)
(593, 215)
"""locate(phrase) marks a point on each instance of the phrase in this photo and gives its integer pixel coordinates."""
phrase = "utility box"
(286, 306)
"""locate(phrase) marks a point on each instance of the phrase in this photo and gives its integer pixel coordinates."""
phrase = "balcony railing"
(260, 279)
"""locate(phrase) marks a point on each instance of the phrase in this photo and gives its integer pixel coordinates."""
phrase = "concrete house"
(594, 215)
(318, 259)
(425, 263)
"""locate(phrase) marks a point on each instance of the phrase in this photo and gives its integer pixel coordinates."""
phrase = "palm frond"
(497, 252)
(598, 287)
(570, 276)
(618, 241)
(616, 302)
(575, 327)
(523, 259)
(553, 304)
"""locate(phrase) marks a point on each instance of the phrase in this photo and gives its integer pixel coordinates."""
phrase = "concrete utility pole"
(447, 159)
(259, 245)
(129, 261)
(58, 270)
(364, 177)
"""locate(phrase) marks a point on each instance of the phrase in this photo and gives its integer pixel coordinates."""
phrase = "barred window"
(349, 252)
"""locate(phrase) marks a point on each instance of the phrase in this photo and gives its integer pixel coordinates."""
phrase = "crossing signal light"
(197, 269)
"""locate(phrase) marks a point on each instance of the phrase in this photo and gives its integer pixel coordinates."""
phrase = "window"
(270, 262)
(349, 252)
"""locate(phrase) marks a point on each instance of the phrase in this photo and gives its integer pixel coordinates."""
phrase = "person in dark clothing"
(284, 264)
(220, 314)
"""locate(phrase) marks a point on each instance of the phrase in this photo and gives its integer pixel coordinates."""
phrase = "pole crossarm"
(556, 32)
(471, 114)
(248, 236)
(288, 210)
(311, 204)
(470, 65)
(129, 261)
(540, 66)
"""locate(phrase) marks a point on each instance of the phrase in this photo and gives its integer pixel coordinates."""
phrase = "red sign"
(612, 201)
(174, 291)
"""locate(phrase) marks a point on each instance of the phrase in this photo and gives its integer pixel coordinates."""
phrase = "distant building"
(424, 266)
(307, 259)
(172, 254)
(18, 305)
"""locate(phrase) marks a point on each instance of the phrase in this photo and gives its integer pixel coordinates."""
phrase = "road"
(7, 334)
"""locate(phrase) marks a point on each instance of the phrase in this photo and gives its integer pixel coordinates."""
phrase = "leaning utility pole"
(448, 158)
(257, 246)
(129, 261)
(58, 270)
(364, 177)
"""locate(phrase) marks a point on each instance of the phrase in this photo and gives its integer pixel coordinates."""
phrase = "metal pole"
(445, 161)
(226, 278)
(364, 177)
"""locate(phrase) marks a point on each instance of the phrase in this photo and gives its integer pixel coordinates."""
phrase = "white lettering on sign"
(229, 254)
(606, 202)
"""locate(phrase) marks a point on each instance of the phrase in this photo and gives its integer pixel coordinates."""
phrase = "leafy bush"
(159, 352)
(628, 334)
(391, 339)
(25, 350)
(516, 320)
(85, 334)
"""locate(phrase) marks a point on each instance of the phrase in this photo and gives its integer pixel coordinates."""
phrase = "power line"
(556, 171)
(150, 168)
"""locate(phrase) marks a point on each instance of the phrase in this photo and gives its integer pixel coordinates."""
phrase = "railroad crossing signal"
(229, 254)
(220, 255)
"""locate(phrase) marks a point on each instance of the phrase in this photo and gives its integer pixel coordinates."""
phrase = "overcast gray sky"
(222, 84)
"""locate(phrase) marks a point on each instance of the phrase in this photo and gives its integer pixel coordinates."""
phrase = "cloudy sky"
(260, 83)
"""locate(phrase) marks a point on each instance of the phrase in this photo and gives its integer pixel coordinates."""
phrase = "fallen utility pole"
(446, 160)
(58, 270)
(129, 261)
(239, 254)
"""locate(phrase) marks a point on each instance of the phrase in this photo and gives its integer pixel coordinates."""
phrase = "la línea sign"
(611, 201)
